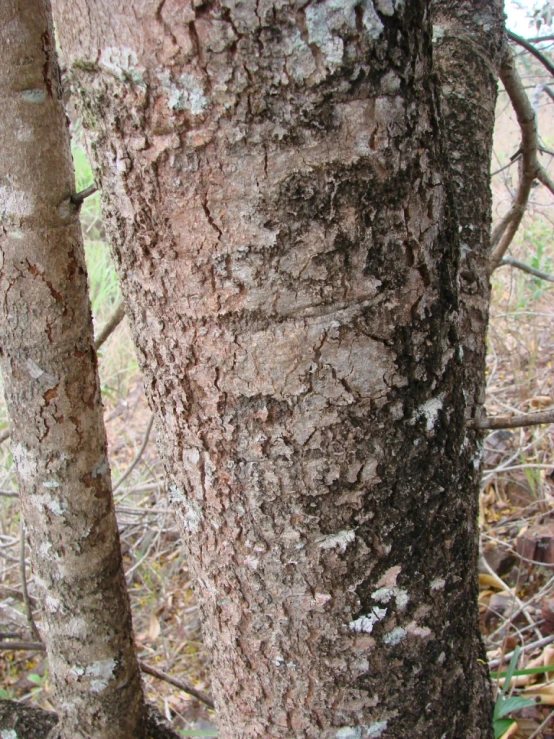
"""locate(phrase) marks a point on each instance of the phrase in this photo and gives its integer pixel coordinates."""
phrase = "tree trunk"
(53, 394)
(280, 198)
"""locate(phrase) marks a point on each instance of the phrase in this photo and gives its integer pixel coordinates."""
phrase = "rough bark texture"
(53, 394)
(281, 210)
(468, 47)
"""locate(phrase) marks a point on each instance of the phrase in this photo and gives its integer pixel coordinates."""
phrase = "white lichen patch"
(15, 202)
(122, 63)
(9, 734)
(340, 540)
(25, 463)
(101, 673)
(51, 484)
(385, 595)
(366, 623)
(371, 731)
(102, 467)
(185, 94)
(394, 637)
(188, 511)
(252, 562)
(430, 411)
(328, 21)
(37, 373)
(54, 505)
(36, 96)
(376, 729)
(438, 583)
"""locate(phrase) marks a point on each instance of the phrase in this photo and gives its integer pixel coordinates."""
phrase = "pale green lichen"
(394, 637)
(188, 511)
(340, 540)
(385, 595)
(37, 96)
(184, 94)
(371, 731)
(328, 21)
(366, 622)
(122, 63)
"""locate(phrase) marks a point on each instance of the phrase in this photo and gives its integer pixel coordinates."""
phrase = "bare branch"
(38, 646)
(543, 177)
(539, 39)
(28, 646)
(111, 324)
(185, 687)
(505, 231)
(79, 197)
(532, 50)
(511, 422)
(506, 166)
(23, 574)
(527, 268)
(140, 452)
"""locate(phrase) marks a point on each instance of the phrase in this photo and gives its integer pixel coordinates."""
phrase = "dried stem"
(23, 573)
(526, 268)
(511, 422)
(140, 452)
(532, 50)
(505, 231)
(111, 324)
(185, 687)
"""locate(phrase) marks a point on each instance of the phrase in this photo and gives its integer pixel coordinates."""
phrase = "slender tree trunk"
(281, 207)
(53, 394)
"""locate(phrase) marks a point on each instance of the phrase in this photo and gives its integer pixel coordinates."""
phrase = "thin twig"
(78, 197)
(506, 166)
(532, 50)
(202, 697)
(185, 687)
(505, 231)
(512, 592)
(4, 435)
(111, 324)
(525, 648)
(539, 728)
(511, 422)
(22, 571)
(542, 176)
(29, 646)
(526, 268)
(136, 460)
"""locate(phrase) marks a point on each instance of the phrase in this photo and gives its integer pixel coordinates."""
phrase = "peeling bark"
(280, 202)
(53, 395)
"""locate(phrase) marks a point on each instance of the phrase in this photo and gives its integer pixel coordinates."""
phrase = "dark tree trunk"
(281, 198)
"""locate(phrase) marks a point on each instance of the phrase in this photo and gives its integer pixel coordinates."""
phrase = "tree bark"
(280, 200)
(53, 395)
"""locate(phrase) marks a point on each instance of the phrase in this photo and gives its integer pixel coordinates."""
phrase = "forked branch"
(505, 231)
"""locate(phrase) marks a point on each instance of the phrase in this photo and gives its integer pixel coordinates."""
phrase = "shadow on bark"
(29, 722)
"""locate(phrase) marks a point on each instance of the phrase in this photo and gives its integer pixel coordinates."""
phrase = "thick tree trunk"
(280, 202)
(53, 394)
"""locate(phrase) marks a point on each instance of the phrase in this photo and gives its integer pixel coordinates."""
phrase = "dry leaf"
(154, 628)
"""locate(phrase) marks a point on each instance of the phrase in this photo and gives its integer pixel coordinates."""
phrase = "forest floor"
(517, 498)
